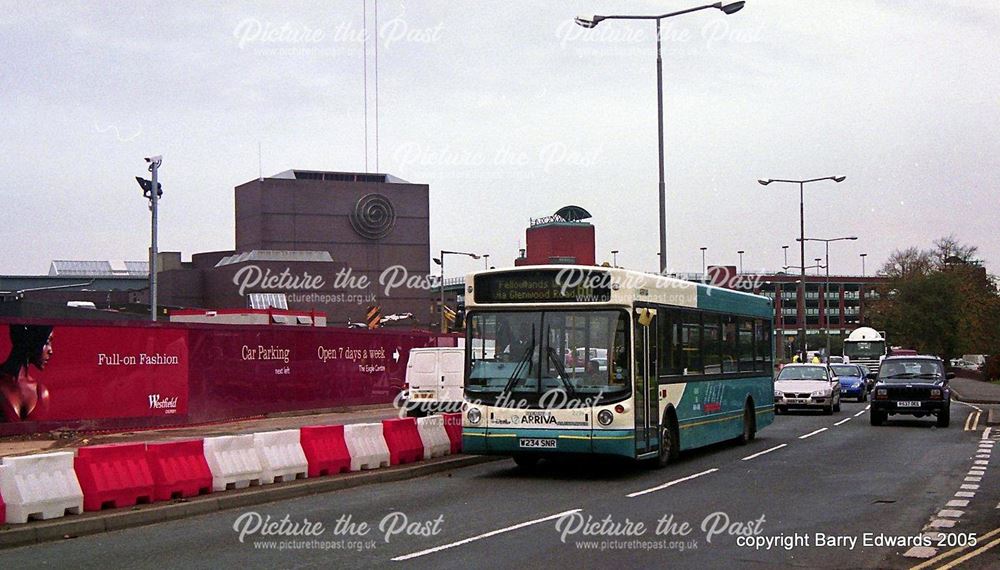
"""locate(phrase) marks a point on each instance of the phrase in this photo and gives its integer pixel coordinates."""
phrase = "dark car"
(853, 383)
(911, 385)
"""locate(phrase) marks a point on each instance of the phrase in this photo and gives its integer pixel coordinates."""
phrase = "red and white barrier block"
(281, 456)
(233, 461)
(40, 486)
(366, 446)
(433, 436)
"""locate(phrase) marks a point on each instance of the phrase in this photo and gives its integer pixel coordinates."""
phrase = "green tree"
(939, 301)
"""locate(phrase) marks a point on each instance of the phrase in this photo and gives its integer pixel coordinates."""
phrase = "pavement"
(861, 489)
(974, 390)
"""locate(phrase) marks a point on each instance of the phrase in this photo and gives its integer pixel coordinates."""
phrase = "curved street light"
(802, 248)
(591, 22)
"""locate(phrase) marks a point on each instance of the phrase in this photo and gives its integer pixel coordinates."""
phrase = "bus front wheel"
(669, 445)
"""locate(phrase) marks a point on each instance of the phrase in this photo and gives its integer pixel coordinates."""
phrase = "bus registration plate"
(538, 443)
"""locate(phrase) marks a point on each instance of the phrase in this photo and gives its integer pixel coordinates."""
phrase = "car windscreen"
(802, 373)
(910, 370)
(846, 370)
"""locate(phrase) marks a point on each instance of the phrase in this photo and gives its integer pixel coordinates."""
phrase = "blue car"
(853, 383)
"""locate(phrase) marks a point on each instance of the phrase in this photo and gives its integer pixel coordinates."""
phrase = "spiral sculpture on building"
(373, 216)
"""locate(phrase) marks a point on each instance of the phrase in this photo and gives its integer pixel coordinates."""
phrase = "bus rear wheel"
(749, 424)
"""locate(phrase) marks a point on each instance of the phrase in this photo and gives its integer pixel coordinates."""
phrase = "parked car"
(806, 386)
(853, 383)
(911, 385)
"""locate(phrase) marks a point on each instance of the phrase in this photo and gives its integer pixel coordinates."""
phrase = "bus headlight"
(605, 417)
(474, 416)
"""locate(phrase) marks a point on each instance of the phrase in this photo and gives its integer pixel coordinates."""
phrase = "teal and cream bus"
(592, 360)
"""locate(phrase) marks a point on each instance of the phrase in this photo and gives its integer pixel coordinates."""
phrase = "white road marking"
(671, 483)
(986, 433)
(859, 413)
(775, 448)
(482, 536)
(981, 462)
(973, 479)
(810, 434)
(942, 523)
(950, 514)
(920, 552)
(968, 487)
(965, 494)
(868, 407)
(958, 503)
(977, 408)
(843, 421)
(982, 456)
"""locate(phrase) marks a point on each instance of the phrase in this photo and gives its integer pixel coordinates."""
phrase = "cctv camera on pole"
(153, 191)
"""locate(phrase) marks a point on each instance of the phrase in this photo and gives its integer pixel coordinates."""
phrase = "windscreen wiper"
(560, 370)
(525, 358)
(901, 375)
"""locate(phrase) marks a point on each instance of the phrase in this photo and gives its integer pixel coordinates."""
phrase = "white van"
(434, 381)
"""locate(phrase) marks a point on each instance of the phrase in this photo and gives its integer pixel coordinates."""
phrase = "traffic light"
(147, 187)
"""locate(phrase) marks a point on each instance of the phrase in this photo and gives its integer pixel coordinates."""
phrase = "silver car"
(805, 386)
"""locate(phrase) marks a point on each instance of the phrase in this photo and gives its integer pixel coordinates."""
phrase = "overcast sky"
(508, 111)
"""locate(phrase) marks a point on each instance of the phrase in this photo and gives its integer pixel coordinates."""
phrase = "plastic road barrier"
(233, 461)
(325, 449)
(40, 486)
(281, 456)
(403, 440)
(433, 436)
(367, 446)
(453, 425)
(179, 469)
(113, 476)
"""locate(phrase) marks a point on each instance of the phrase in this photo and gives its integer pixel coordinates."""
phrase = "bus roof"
(628, 287)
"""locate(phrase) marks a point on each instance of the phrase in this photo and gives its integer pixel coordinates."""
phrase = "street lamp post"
(486, 262)
(826, 288)
(591, 22)
(440, 261)
(741, 252)
(703, 270)
(863, 256)
(614, 258)
(801, 302)
(785, 248)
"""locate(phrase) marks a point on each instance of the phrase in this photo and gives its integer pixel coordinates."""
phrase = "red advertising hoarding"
(128, 374)
(66, 372)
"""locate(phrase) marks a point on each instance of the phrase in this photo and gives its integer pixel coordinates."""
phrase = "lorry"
(865, 346)
(434, 381)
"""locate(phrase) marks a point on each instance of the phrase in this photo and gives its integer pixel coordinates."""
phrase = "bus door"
(646, 387)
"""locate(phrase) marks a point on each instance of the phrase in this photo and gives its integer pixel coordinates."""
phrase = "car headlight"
(778, 394)
(474, 416)
(605, 417)
(825, 392)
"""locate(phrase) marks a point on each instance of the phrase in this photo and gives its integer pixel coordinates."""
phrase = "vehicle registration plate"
(423, 395)
(538, 443)
(908, 404)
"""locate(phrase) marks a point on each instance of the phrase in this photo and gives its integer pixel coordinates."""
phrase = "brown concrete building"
(311, 240)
